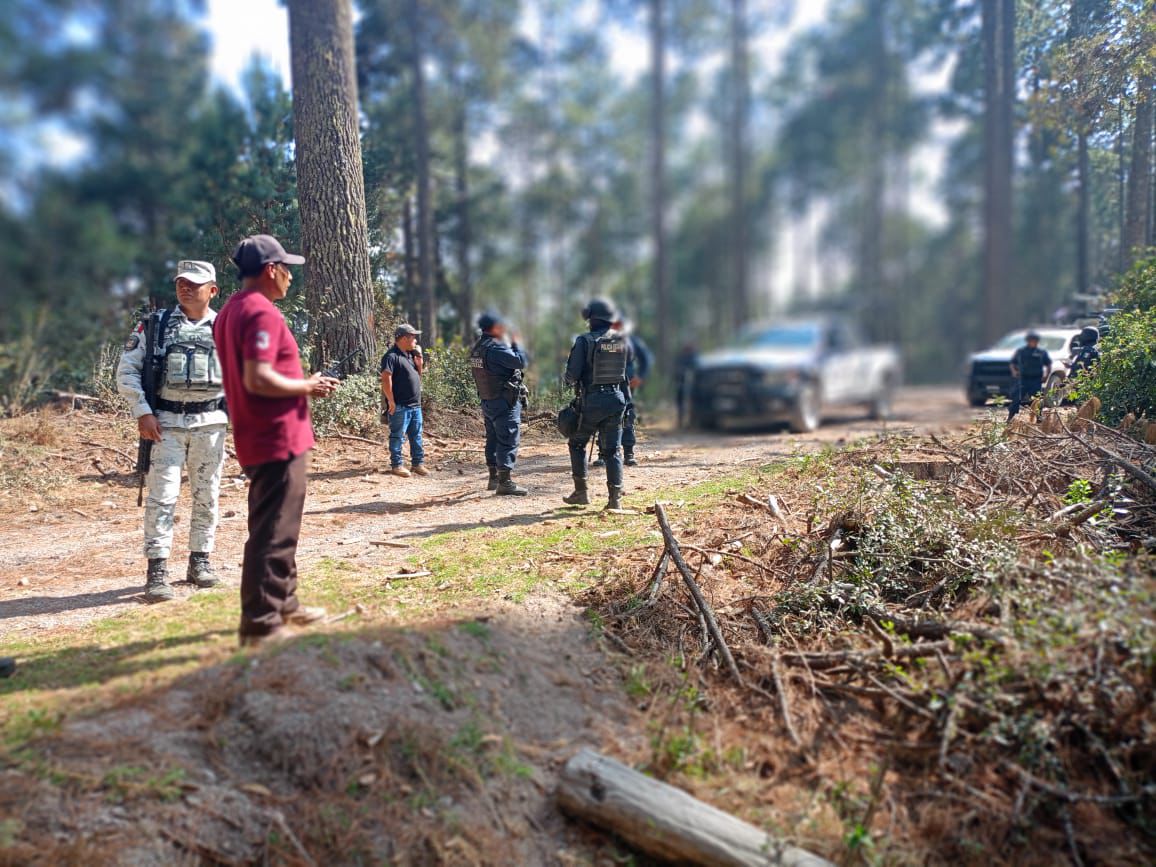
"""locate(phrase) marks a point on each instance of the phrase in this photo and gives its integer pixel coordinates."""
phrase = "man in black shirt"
(401, 370)
(1030, 366)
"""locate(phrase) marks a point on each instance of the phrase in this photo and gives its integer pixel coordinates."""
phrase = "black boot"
(200, 571)
(507, 487)
(629, 460)
(157, 587)
(598, 462)
(615, 499)
(7, 666)
(580, 497)
(493, 485)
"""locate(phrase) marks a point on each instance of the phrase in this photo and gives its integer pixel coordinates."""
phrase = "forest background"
(510, 160)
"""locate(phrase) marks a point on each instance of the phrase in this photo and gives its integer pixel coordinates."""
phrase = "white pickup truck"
(789, 371)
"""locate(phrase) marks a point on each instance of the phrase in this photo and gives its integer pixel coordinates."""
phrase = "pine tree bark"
(661, 276)
(462, 195)
(740, 102)
(425, 229)
(1136, 223)
(872, 235)
(330, 180)
(412, 301)
(998, 32)
(1083, 210)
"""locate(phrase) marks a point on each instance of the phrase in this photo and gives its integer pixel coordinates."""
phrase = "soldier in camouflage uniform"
(187, 424)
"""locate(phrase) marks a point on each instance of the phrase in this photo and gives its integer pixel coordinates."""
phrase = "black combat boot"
(581, 496)
(629, 460)
(615, 499)
(493, 485)
(157, 587)
(200, 571)
(598, 462)
(507, 487)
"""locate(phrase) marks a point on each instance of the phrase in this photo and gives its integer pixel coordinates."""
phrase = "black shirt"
(1030, 363)
(406, 379)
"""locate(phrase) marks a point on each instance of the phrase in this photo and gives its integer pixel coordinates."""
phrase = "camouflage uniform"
(193, 439)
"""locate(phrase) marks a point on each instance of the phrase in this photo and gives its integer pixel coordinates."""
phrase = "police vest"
(1030, 363)
(187, 363)
(607, 356)
(491, 386)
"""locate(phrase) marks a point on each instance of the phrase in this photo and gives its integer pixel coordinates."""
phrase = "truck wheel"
(805, 416)
(976, 399)
(882, 403)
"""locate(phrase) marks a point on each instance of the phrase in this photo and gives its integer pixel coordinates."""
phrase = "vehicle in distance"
(989, 371)
(789, 372)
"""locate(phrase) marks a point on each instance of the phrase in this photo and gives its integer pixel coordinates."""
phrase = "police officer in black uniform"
(1030, 366)
(597, 369)
(1089, 353)
(498, 366)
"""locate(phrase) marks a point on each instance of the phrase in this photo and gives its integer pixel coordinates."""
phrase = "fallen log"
(666, 822)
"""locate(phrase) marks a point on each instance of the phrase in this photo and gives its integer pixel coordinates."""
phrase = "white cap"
(196, 272)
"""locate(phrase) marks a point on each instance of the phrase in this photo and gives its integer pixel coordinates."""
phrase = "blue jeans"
(405, 421)
(503, 432)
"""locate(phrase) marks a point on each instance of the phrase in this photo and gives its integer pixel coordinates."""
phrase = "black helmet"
(600, 308)
(1089, 336)
(1032, 334)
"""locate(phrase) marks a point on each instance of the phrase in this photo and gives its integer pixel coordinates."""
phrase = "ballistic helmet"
(600, 308)
(1089, 336)
(1032, 335)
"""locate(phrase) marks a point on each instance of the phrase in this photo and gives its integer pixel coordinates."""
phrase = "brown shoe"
(277, 636)
(305, 615)
(401, 471)
(419, 470)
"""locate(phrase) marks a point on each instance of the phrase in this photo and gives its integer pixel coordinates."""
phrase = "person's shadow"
(30, 606)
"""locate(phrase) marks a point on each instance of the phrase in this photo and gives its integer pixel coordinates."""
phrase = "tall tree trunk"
(740, 102)
(330, 180)
(1136, 224)
(874, 216)
(412, 300)
(658, 177)
(462, 195)
(425, 227)
(1083, 210)
(999, 105)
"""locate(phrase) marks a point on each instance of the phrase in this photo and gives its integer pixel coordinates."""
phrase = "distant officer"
(637, 371)
(1030, 367)
(498, 365)
(684, 365)
(597, 368)
(1089, 352)
(187, 423)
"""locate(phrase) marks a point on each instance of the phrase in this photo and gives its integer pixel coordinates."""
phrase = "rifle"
(148, 380)
(337, 369)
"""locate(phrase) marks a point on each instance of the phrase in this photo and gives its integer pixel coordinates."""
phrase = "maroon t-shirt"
(265, 429)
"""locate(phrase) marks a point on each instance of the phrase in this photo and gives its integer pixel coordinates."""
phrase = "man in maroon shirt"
(268, 394)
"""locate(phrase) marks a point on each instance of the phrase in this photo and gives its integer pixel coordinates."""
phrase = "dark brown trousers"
(269, 572)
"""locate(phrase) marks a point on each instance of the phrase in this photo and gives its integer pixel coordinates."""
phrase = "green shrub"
(1137, 288)
(1125, 378)
(447, 381)
(355, 408)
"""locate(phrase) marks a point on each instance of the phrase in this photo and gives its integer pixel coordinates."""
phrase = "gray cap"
(257, 251)
(196, 271)
(406, 330)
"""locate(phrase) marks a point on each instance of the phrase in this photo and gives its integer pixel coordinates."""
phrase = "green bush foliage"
(355, 408)
(448, 382)
(1125, 378)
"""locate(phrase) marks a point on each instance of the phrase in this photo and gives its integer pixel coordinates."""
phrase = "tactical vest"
(187, 363)
(490, 385)
(607, 356)
(1031, 363)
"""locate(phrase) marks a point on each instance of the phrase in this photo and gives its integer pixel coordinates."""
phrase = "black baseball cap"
(489, 319)
(257, 251)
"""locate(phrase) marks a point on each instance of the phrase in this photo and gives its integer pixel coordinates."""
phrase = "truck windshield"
(802, 335)
(1050, 342)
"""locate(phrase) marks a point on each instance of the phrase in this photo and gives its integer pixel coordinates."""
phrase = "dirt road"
(75, 558)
